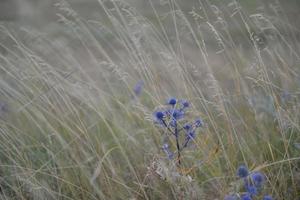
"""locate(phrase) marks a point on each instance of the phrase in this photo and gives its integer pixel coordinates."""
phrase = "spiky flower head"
(177, 114)
(252, 190)
(187, 126)
(198, 123)
(242, 171)
(159, 116)
(185, 104)
(257, 178)
(172, 101)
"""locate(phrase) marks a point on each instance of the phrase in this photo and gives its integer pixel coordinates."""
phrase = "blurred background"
(44, 16)
(42, 12)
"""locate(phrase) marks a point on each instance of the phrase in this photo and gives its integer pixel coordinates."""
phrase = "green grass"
(71, 128)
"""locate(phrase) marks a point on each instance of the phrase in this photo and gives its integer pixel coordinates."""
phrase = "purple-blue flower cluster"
(253, 185)
(173, 118)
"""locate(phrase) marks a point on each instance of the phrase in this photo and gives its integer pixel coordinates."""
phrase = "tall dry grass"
(72, 128)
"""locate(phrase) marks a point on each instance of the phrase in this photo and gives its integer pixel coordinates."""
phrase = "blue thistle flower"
(174, 114)
(187, 126)
(159, 115)
(253, 183)
(246, 197)
(177, 114)
(138, 87)
(242, 171)
(268, 197)
(172, 101)
(198, 123)
(252, 190)
(172, 118)
(159, 118)
(257, 179)
(185, 104)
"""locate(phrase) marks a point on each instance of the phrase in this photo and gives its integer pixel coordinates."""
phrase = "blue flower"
(138, 87)
(257, 179)
(252, 190)
(174, 114)
(175, 121)
(253, 183)
(172, 101)
(268, 197)
(246, 197)
(185, 104)
(159, 115)
(242, 171)
(198, 123)
(187, 126)
(177, 114)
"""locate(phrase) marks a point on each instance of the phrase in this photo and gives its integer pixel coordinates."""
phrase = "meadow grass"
(72, 126)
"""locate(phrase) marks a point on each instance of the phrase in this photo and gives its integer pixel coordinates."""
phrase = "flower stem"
(177, 145)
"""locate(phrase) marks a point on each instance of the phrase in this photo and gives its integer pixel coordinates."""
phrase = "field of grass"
(79, 105)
